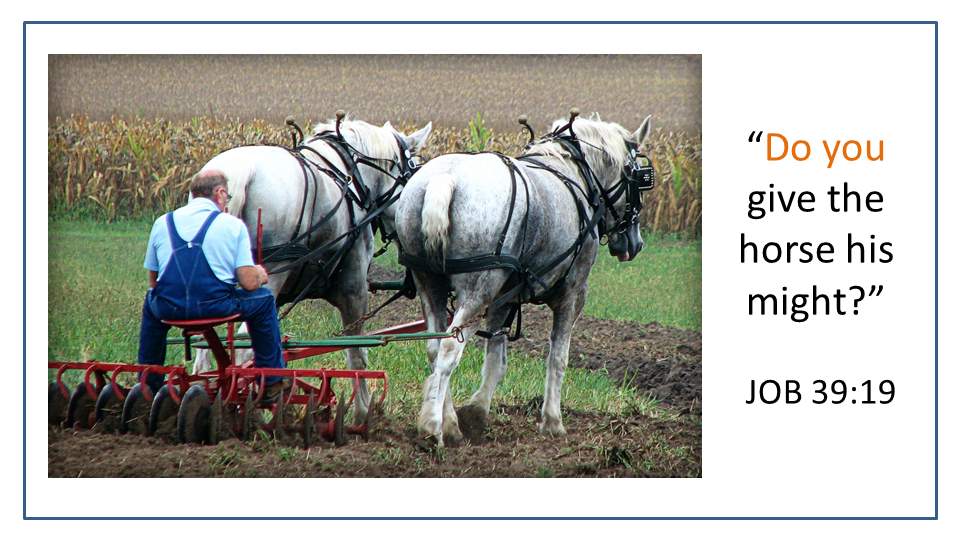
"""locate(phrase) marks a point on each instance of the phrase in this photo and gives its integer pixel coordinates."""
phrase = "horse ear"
(642, 133)
(389, 126)
(418, 139)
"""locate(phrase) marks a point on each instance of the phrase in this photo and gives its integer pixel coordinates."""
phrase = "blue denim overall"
(188, 289)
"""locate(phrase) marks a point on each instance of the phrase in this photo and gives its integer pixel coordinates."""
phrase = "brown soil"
(663, 361)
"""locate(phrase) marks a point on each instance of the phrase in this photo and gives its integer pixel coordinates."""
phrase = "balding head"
(204, 183)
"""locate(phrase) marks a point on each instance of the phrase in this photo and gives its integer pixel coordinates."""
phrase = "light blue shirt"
(226, 246)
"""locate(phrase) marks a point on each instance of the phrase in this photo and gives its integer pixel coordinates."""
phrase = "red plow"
(208, 407)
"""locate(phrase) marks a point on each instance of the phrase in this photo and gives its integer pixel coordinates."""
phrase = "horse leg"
(437, 416)
(473, 415)
(348, 293)
(433, 291)
(351, 311)
(565, 314)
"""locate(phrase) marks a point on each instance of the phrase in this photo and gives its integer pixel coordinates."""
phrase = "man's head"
(211, 184)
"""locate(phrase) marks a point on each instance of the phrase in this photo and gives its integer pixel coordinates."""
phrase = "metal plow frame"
(227, 398)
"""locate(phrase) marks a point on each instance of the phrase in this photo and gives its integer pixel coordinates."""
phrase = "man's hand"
(252, 277)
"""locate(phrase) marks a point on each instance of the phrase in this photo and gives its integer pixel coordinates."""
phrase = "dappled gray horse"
(320, 203)
(499, 231)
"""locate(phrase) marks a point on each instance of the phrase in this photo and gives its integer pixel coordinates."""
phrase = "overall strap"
(175, 241)
(178, 242)
(202, 233)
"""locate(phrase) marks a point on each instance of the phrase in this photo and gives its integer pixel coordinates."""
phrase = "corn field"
(135, 169)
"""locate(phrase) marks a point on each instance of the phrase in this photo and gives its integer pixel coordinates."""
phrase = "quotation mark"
(758, 136)
(875, 290)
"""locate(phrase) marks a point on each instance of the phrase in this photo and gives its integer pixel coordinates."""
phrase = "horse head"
(612, 154)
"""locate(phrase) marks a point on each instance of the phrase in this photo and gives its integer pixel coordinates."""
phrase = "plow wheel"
(136, 413)
(164, 409)
(109, 409)
(193, 419)
(80, 408)
(57, 405)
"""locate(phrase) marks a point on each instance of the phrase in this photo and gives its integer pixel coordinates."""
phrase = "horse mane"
(371, 140)
(602, 143)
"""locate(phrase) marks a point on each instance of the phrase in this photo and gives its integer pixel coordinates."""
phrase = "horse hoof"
(452, 437)
(473, 422)
(427, 443)
(557, 430)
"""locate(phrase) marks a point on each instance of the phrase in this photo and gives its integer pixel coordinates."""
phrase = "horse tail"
(435, 215)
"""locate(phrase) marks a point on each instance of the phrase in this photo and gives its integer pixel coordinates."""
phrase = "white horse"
(499, 231)
(318, 205)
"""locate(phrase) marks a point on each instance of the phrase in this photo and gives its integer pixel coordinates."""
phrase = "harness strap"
(349, 158)
(281, 249)
(351, 232)
(528, 279)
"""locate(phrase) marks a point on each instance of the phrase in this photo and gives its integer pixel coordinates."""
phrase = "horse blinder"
(640, 170)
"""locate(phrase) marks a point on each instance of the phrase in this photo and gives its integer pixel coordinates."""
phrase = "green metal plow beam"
(242, 341)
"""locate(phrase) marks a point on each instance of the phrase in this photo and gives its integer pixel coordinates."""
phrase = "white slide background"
(812, 82)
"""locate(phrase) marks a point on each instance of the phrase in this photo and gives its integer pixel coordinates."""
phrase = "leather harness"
(327, 258)
(597, 198)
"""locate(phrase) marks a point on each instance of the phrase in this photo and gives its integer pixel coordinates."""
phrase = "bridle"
(637, 176)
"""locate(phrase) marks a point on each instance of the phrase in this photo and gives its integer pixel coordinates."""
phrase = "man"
(196, 257)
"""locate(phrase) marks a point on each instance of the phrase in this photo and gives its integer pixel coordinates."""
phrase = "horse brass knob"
(293, 123)
(574, 112)
(523, 122)
(341, 114)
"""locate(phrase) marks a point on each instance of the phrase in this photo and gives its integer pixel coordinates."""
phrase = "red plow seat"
(199, 325)
(205, 327)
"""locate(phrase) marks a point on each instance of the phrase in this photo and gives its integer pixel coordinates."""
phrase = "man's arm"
(251, 278)
(152, 277)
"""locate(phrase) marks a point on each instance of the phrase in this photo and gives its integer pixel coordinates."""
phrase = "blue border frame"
(936, 258)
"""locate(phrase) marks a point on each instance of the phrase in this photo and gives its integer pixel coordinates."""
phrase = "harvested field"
(404, 89)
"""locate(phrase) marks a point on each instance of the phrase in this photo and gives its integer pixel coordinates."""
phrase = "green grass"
(97, 283)
(663, 284)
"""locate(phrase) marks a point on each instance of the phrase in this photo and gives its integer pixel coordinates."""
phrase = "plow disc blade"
(135, 417)
(57, 405)
(164, 409)
(339, 431)
(193, 419)
(80, 409)
(108, 411)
